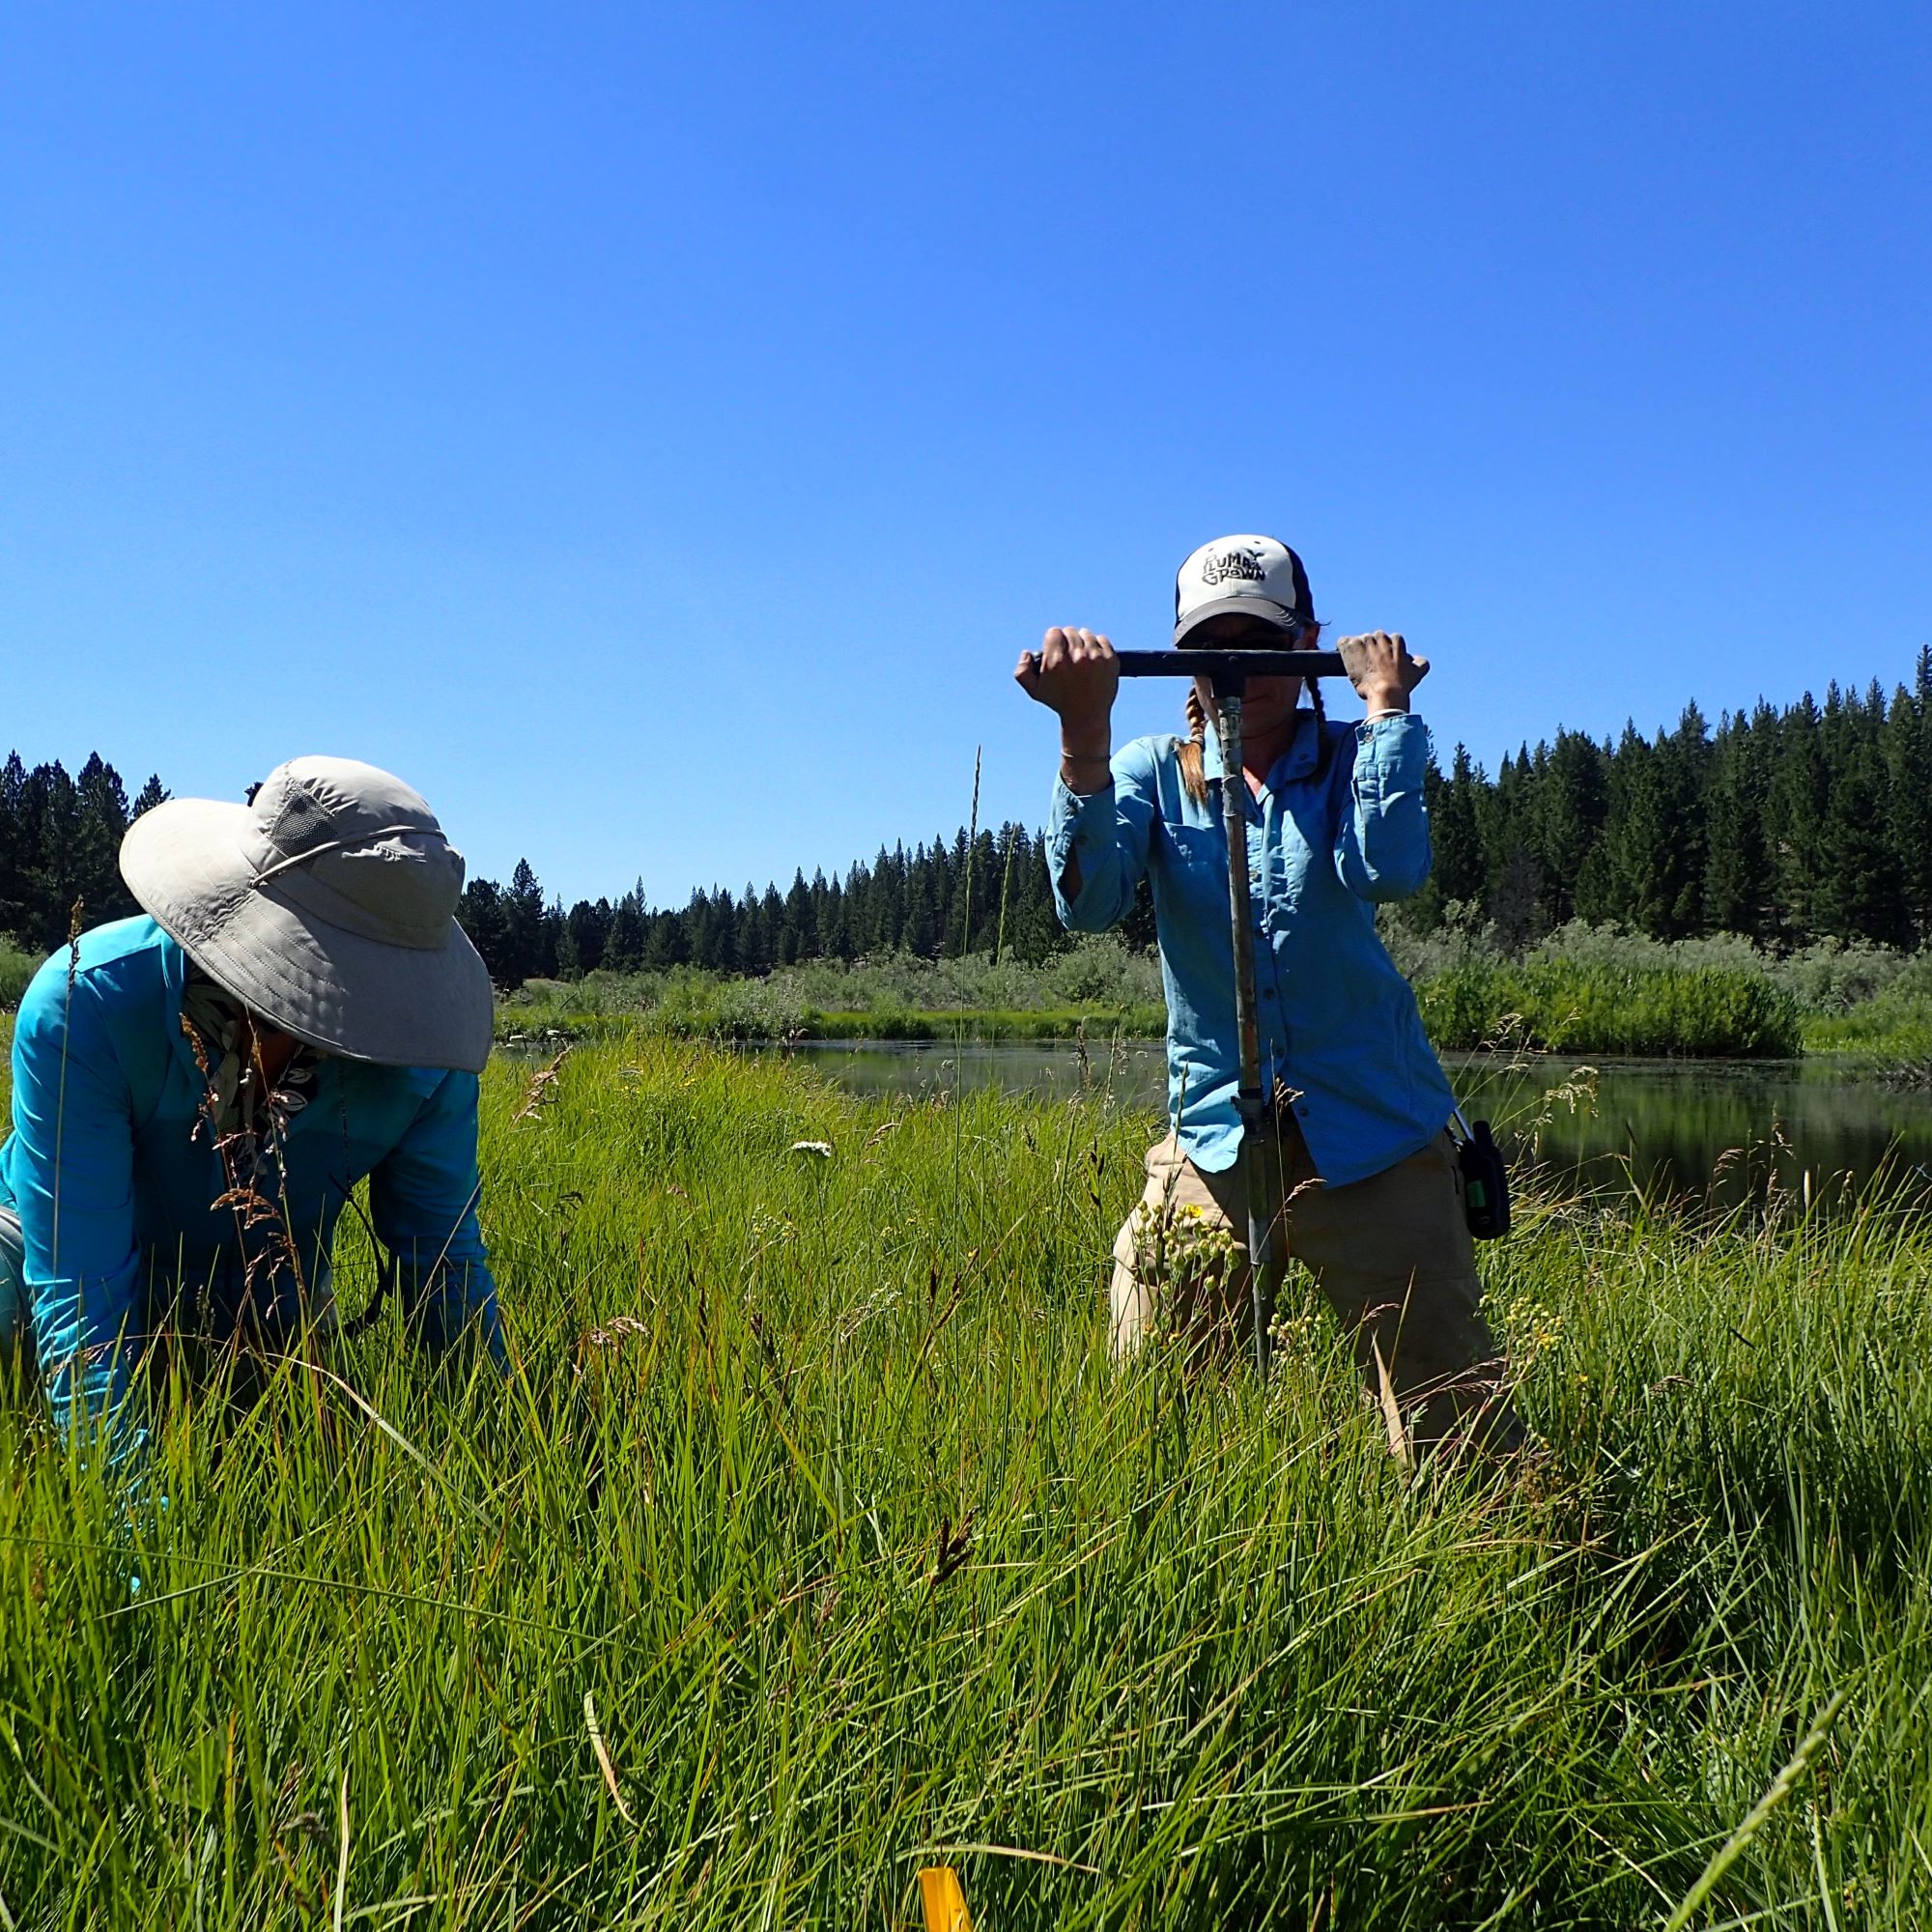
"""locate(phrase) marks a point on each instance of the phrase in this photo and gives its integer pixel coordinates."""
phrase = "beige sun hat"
(328, 906)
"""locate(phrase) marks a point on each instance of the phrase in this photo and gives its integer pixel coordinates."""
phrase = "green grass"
(16, 971)
(1892, 1032)
(814, 1476)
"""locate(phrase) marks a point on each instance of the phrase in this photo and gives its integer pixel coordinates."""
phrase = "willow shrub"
(814, 1488)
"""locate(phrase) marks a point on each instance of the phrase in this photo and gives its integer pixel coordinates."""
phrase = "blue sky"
(654, 432)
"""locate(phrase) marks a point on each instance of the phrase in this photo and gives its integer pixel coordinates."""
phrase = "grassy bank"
(814, 1481)
(1558, 1005)
(1892, 1030)
(1015, 1024)
(1584, 990)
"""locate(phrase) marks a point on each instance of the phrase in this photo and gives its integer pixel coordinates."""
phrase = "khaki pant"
(1391, 1255)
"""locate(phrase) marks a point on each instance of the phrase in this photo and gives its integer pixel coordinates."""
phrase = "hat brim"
(1263, 610)
(393, 1006)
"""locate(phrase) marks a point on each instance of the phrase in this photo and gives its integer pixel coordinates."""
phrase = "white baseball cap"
(1251, 576)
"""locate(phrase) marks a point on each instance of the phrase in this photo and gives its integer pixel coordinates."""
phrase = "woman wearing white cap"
(196, 1092)
(1359, 1148)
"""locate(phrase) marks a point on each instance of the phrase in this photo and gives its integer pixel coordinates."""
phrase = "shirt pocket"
(1195, 846)
(1307, 844)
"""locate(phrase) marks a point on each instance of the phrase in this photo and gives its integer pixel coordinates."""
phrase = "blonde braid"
(1189, 756)
(1326, 754)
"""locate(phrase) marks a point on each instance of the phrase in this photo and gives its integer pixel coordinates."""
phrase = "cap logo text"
(1232, 563)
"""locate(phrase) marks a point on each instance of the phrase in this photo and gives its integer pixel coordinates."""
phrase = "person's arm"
(1097, 844)
(1096, 833)
(422, 1202)
(1381, 846)
(74, 1181)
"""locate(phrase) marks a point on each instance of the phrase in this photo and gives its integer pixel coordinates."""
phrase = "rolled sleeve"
(1382, 852)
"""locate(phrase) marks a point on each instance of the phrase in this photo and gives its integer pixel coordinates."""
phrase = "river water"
(1716, 1129)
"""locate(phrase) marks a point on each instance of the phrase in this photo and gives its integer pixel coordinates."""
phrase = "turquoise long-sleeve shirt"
(115, 1188)
(1339, 1024)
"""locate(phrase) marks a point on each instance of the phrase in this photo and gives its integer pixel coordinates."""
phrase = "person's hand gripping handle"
(1074, 675)
(1381, 670)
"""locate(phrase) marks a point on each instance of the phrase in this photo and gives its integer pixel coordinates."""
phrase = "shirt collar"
(1297, 761)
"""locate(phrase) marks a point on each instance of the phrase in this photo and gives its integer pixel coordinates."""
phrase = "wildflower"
(822, 1149)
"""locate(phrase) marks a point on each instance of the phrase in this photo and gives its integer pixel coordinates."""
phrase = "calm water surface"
(1673, 1123)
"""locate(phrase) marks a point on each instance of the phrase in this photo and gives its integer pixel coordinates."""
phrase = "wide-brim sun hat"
(328, 905)
(1258, 578)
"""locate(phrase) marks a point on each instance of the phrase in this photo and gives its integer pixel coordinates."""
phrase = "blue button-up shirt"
(1339, 1026)
(115, 1181)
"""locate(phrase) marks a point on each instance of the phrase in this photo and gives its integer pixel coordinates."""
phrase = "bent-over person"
(197, 1091)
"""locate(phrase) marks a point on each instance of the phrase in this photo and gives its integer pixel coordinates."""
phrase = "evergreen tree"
(16, 913)
(1460, 869)
(924, 922)
(57, 884)
(1573, 801)
(480, 912)
(1034, 931)
(665, 944)
(1739, 886)
(755, 938)
(1860, 888)
(624, 941)
(1683, 772)
(798, 928)
(1908, 759)
(523, 927)
(551, 952)
(588, 924)
(1513, 884)
(1796, 807)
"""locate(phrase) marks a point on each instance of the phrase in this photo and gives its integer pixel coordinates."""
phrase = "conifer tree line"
(983, 893)
(60, 844)
(1813, 822)
(1810, 823)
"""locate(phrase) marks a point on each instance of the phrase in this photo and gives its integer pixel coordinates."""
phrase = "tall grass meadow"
(815, 1538)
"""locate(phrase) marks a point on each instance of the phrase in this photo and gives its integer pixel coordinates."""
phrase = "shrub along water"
(1706, 1012)
(815, 1484)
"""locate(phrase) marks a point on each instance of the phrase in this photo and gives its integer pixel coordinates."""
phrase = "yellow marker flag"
(944, 1903)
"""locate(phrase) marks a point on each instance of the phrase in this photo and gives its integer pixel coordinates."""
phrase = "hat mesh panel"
(301, 820)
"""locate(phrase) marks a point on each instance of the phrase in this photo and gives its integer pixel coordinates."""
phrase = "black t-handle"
(1222, 665)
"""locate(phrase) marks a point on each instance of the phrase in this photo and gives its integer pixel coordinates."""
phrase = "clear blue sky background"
(655, 430)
